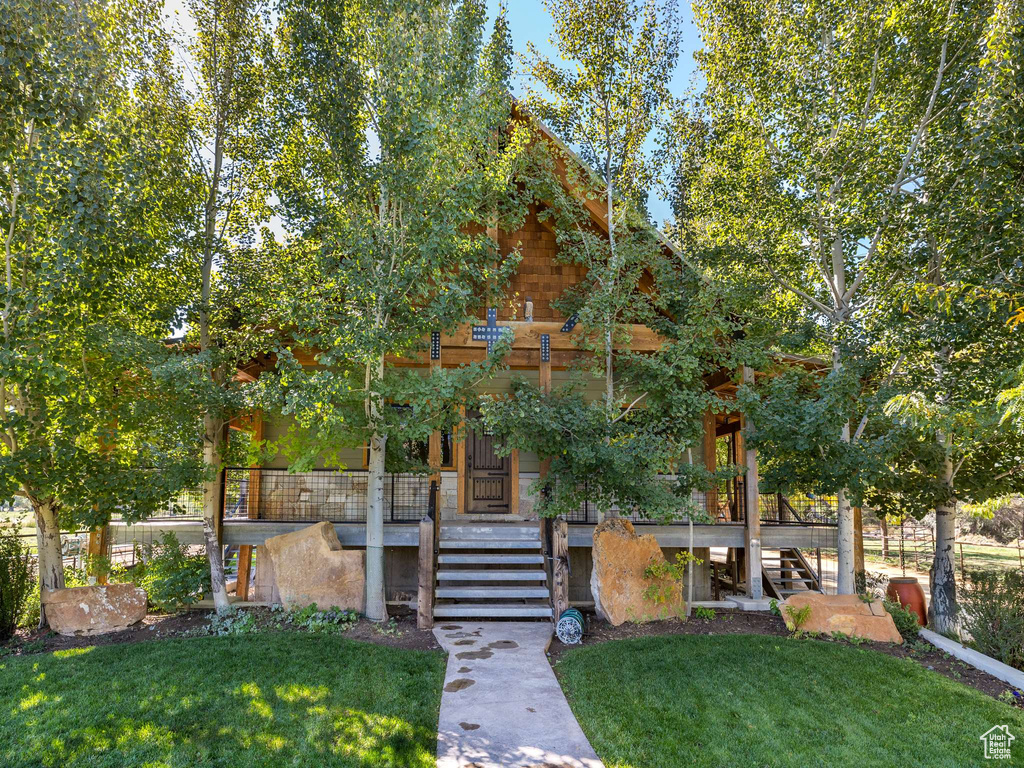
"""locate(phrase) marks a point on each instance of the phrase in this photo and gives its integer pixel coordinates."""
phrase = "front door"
(487, 475)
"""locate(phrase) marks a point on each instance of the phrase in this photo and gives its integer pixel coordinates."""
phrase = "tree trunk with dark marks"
(51, 560)
(943, 609)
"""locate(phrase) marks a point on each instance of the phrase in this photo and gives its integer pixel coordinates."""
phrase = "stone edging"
(986, 664)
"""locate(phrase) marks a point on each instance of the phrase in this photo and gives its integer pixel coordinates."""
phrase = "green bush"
(16, 582)
(992, 613)
(171, 576)
(332, 621)
(904, 619)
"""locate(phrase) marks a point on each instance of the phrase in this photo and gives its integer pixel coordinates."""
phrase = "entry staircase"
(785, 572)
(491, 571)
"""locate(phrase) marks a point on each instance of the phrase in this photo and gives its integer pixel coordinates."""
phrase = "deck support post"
(425, 570)
(711, 462)
(560, 567)
(252, 511)
(752, 529)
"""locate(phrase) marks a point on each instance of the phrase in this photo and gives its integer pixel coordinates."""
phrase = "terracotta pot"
(908, 593)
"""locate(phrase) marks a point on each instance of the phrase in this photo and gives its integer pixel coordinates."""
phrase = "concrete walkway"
(502, 706)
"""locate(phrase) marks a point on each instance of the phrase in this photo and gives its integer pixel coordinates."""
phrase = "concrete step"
(490, 544)
(493, 593)
(509, 531)
(483, 611)
(490, 559)
(457, 575)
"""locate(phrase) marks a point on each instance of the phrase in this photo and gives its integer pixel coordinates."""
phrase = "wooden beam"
(560, 568)
(527, 336)
(98, 546)
(723, 430)
(718, 379)
(544, 382)
(460, 463)
(752, 529)
(425, 570)
(711, 461)
(513, 482)
(434, 444)
(252, 510)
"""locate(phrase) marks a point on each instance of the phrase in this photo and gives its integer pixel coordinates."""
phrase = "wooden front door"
(487, 475)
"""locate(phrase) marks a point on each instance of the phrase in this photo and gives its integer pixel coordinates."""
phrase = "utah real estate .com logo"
(997, 742)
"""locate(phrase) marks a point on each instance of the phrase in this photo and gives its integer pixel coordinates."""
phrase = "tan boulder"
(94, 610)
(847, 614)
(617, 580)
(310, 566)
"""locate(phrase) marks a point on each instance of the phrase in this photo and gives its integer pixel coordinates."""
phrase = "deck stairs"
(786, 572)
(491, 571)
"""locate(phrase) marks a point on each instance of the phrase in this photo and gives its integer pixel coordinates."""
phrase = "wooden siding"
(541, 276)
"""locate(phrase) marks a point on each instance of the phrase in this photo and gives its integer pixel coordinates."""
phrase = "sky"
(530, 23)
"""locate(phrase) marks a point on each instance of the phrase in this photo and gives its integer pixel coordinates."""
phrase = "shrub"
(992, 604)
(170, 575)
(332, 621)
(16, 581)
(904, 619)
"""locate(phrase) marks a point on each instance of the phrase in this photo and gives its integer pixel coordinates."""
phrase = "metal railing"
(323, 494)
(727, 504)
(799, 509)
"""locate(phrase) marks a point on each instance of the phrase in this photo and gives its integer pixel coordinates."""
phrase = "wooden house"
(486, 553)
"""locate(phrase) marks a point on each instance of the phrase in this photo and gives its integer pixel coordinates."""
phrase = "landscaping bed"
(401, 632)
(735, 622)
(274, 698)
(700, 699)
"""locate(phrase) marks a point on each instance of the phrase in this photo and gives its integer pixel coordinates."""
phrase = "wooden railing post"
(560, 566)
(425, 594)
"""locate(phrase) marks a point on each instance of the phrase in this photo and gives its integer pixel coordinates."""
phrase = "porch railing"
(727, 504)
(331, 495)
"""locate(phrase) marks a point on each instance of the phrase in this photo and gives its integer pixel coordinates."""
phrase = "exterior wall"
(541, 277)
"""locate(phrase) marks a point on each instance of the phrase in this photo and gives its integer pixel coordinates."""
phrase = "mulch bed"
(401, 633)
(733, 622)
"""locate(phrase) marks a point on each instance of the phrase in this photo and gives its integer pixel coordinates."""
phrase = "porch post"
(752, 529)
(544, 382)
(858, 541)
(425, 572)
(252, 511)
(434, 445)
(711, 462)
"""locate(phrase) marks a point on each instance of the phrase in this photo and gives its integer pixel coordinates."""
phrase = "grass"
(976, 557)
(763, 701)
(271, 699)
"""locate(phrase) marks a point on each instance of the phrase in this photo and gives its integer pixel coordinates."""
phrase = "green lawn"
(762, 701)
(270, 699)
(975, 558)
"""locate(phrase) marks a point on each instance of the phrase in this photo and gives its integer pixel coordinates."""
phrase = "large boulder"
(617, 580)
(94, 610)
(310, 566)
(847, 614)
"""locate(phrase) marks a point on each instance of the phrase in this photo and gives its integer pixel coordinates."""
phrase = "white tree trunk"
(376, 606)
(941, 577)
(846, 583)
(51, 560)
(212, 492)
